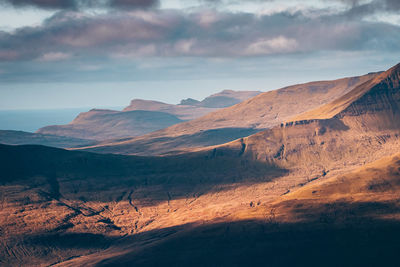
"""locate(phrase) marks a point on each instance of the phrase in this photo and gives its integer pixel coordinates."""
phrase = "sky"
(86, 53)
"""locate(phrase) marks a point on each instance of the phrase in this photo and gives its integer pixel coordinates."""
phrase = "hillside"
(355, 215)
(356, 133)
(263, 111)
(380, 178)
(376, 92)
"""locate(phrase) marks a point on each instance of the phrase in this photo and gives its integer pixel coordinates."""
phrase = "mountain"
(100, 124)
(24, 138)
(183, 112)
(190, 109)
(377, 94)
(139, 118)
(189, 102)
(352, 129)
(222, 99)
(261, 112)
(298, 194)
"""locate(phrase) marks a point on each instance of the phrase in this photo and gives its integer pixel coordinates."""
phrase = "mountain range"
(141, 117)
(248, 117)
(316, 184)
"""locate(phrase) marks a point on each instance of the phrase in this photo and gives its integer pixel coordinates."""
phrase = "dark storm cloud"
(158, 33)
(359, 8)
(49, 4)
(76, 4)
(132, 3)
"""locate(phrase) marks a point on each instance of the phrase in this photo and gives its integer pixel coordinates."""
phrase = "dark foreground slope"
(56, 203)
(120, 218)
(9, 137)
(347, 220)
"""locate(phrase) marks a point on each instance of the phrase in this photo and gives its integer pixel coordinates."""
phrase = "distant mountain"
(24, 138)
(255, 114)
(139, 118)
(222, 99)
(189, 102)
(100, 124)
(190, 109)
(183, 112)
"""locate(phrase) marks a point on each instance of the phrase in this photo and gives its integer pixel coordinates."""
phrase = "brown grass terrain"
(377, 182)
(130, 222)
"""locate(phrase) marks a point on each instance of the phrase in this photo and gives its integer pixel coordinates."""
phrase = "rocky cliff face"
(381, 101)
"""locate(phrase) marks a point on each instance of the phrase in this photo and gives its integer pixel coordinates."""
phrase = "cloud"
(54, 56)
(77, 4)
(46, 4)
(132, 3)
(275, 45)
(201, 33)
(364, 8)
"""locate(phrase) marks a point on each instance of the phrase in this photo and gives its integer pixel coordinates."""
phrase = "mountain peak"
(395, 68)
(189, 102)
(392, 74)
(387, 81)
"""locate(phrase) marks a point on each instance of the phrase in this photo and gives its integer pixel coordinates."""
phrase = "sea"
(32, 120)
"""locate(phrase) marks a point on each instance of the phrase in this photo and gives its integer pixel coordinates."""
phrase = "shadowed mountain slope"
(263, 111)
(355, 215)
(99, 124)
(357, 211)
(24, 138)
(57, 191)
